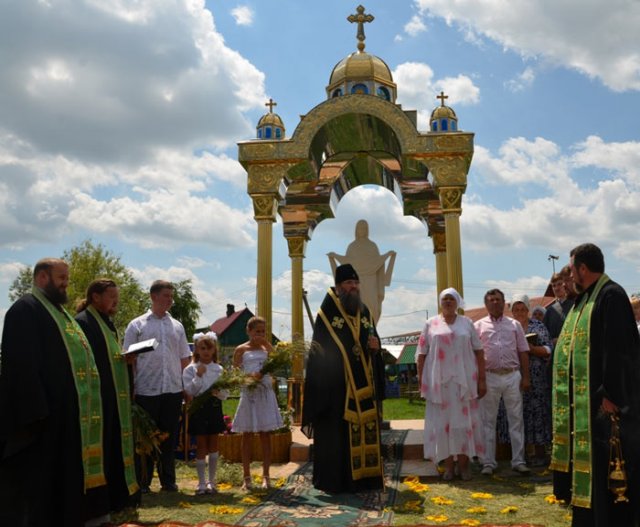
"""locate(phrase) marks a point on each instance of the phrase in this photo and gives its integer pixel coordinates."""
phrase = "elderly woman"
(452, 378)
(536, 403)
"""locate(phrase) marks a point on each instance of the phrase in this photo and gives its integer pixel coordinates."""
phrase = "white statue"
(366, 259)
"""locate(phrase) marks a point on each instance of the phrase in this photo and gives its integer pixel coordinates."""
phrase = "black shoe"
(170, 487)
(145, 490)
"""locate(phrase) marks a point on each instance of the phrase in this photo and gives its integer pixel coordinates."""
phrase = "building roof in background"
(224, 323)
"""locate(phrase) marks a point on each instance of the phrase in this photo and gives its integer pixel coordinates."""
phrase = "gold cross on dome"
(361, 19)
(271, 104)
(442, 97)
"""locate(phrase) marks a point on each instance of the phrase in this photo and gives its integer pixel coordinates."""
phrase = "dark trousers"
(165, 410)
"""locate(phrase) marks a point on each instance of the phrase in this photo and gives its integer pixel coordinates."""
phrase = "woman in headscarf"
(452, 378)
(536, 403)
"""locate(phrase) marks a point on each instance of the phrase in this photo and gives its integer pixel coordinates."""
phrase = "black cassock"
(118, 493)
(41, 473)
(614, 371)
(324, 404)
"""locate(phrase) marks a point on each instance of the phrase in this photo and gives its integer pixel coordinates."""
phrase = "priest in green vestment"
(342, 390)
(94, 314)
(596, 375)
(50, 409)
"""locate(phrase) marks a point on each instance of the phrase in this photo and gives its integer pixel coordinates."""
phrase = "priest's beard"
(55, 295)
(350, 301)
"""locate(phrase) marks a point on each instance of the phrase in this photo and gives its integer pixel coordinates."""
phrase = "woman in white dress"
(452, 378)
(258, 407)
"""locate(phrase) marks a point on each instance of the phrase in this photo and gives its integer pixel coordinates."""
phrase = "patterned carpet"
(298, 504)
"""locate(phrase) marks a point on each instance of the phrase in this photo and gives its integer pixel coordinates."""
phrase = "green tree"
(87, 262)
(21, 284)
(186, 307)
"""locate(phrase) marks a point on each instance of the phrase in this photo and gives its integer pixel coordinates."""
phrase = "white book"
(142, 347)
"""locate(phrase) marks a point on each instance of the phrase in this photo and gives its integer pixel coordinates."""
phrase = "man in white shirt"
(158, 378)
(507, 369)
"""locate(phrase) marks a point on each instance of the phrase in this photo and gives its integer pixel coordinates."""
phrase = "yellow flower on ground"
(223, 486)
(471, 522)
(552, 499)
(438, 518)
(477, 510)
(225, 509)
(482, 496)
(280, 482)
(184, 505)
(409, 480)
(251, 500)
(441, 500)
(411, 505)
(509, 509)
(420, 487)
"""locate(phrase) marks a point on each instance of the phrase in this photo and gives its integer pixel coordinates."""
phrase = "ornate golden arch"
(342, 143)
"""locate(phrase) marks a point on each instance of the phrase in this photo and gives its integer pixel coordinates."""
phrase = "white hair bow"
(209, 334)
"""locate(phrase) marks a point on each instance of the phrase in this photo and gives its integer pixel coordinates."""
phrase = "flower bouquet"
(279, 359)
(230, 378)
(147, 437)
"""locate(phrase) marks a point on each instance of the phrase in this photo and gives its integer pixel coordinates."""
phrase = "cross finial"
(360, 18)
(271, 104)
(442, 97)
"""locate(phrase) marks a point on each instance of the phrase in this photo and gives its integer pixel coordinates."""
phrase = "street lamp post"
(553, 259)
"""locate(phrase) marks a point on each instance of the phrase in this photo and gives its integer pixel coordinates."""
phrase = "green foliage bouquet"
(229, 379)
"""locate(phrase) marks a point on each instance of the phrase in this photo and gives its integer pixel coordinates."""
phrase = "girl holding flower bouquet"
(207, 421)
(258, 407)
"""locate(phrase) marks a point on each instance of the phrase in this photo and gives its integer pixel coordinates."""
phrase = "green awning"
(407, 356)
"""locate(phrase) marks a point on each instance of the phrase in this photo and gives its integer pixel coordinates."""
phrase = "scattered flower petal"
(482, 496)
(477, 510)
(441, 500)
(184, 505)
(470, 522)
(509, 509)
(438, 518)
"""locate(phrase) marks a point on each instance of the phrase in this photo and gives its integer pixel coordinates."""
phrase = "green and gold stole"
(87, 384)
(572, 444)
(123, 397)
(360, 409)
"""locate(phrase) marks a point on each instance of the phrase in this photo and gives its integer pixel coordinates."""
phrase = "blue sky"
(119, 122)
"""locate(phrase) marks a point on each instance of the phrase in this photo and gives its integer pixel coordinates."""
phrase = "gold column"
(451, 200)
(264, 207)
(440, 252)
(296, 381)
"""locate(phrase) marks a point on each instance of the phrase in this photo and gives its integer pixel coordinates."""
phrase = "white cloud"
(9, 271)
(165, 220)
(522, 81)
(243, 15)
(569, 207)
(118, 81)
(415, 26)
(417, 90)
(594, 37)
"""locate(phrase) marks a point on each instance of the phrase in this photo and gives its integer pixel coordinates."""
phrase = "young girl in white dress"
(258, 407)
(207, 422)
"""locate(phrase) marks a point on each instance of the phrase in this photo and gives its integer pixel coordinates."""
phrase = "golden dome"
(443, 112)
(360, 66)
(270, 118)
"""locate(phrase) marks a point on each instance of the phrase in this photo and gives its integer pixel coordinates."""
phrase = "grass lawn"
(504, 499)
(399, 408)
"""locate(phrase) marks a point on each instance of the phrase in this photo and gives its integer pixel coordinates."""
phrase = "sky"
(119, 123)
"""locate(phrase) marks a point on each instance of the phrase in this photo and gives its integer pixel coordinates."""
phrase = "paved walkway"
(412, 464)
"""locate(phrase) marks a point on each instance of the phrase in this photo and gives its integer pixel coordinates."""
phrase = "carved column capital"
(297, 246)
(265, 207)
(451, 199)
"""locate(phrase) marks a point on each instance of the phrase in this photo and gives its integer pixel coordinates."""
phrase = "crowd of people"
(67, 392)
(550, 381)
